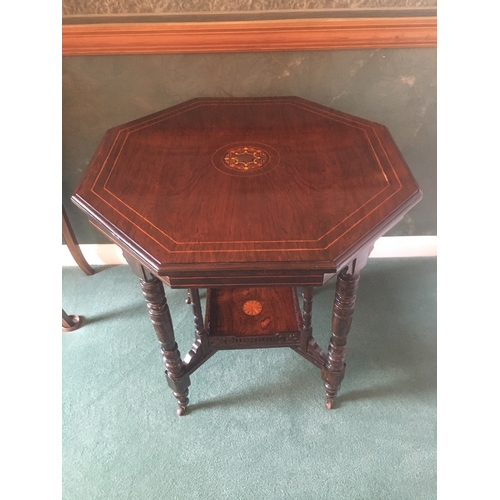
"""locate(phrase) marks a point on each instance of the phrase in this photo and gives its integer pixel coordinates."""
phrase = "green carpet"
(257, 427)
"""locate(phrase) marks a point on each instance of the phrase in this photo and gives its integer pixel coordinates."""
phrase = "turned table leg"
(343, 309)
(159, 313)
(154, 293)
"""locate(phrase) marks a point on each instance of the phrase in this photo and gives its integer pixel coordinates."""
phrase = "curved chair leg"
(70, 322)
(70, 239)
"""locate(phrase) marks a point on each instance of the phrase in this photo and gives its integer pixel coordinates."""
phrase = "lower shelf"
(239, 318)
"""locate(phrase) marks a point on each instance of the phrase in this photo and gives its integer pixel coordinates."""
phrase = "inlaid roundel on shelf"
(211, 179)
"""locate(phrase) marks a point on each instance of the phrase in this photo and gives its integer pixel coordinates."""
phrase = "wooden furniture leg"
(343, 309)
(154, 293)
(70, 239)
(70, 322)
(194, 300)
(307, 296)
(159, 313)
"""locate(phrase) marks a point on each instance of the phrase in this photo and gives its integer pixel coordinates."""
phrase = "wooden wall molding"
(248, 36)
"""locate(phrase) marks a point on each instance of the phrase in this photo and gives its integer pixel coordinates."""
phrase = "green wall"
(396, 87)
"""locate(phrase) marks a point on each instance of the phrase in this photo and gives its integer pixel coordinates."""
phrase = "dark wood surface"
(325, 184)
(252, 311)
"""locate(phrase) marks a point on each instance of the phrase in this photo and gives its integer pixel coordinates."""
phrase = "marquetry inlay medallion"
(252, 307)
(245, 159)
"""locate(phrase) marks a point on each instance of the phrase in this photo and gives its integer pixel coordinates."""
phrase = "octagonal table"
(250, 199)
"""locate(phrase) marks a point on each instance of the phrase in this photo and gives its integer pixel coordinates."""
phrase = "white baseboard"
(388, 246)
(95, 255)
(405, 246)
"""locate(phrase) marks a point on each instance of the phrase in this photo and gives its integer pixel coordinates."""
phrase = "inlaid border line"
(385, 247)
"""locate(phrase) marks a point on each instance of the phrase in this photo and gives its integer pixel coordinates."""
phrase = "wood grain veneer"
(162, 188)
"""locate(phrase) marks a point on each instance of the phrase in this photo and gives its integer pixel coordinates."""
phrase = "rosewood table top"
(265, 190)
